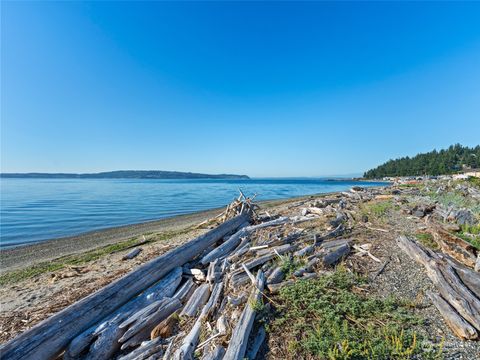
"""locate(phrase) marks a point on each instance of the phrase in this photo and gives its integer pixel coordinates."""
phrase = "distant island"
(448, 161)
(125, 174)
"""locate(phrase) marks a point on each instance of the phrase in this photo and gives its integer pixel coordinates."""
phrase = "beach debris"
(132, 254)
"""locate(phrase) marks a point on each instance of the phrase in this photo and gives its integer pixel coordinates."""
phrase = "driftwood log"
(239, 340)
(459, 326)
(190, 341)
(49, 338)
(446, 280)
(101, 340)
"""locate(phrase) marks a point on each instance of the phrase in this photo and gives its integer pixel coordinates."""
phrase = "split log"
(196, 301)
(145, 312)
(212, 274)
(145, 324)
(49, 338)
(101, 340)
(234, 240)
(238, 280)
(446, 280)
(185, 352)
(337, 254)
(307, 268)
(275, 288)
(469, 277)
(339, 230)
(132, 254)
(457, 324)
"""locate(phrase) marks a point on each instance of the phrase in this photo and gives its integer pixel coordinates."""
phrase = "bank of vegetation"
(446, 161)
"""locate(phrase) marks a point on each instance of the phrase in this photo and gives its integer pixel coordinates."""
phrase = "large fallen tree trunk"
(47, 339)
(443, 275)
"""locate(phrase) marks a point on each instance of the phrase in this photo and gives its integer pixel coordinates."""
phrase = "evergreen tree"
(435, 162)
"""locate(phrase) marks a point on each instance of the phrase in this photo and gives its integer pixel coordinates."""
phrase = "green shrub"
(326, 320)
(427, 240)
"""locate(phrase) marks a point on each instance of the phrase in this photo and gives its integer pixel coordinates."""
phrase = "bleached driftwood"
(185, 291)
(50, 337)
(459, 326)
(101, 340)
(196, 301)
(452, 289)
(469, 277)
(190, 341)
(235, 239)
(239, 339)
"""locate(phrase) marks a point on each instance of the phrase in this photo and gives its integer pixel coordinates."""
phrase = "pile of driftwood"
(458, 285)
(239, 206)
(196, 301)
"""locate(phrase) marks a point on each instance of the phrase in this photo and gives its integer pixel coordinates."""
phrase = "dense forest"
(126, 174)
(448, 161)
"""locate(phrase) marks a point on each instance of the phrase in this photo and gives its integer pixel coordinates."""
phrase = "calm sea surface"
(33, 210)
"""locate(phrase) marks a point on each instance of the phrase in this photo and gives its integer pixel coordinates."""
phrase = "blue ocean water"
(33, 210)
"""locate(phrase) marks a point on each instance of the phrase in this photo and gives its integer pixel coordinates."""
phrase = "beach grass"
(16, 276)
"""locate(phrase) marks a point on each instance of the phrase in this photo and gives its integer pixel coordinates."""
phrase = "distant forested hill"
(125, 174)
(434, 162)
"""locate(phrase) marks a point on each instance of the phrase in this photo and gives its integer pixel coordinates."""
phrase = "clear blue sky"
(264, 89)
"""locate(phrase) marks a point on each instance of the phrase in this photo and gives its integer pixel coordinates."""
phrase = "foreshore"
(30, 254)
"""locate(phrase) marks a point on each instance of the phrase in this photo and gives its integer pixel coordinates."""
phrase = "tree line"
(447, 161)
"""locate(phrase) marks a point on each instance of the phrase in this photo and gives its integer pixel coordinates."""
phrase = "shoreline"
(22, 256)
